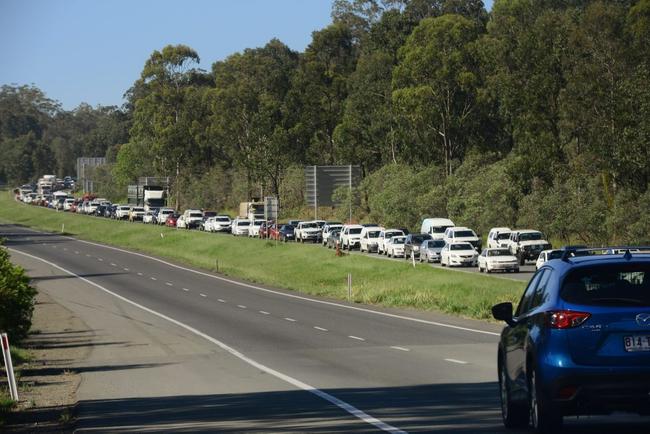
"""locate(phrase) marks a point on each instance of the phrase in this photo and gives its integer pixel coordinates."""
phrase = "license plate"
(637, 343)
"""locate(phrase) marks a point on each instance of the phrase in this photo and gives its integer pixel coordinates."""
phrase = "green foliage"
(17, 299)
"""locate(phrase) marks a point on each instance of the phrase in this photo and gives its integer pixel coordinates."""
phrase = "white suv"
(122, 212)
(191, 218)
(163, 214)
(460, 234)
(308, 231)
(498, 238)
(370, 239)
(351, 236)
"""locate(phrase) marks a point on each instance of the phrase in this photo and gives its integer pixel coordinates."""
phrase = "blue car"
(579, 341)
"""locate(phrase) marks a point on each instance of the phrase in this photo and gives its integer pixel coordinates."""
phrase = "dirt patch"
(47, 384)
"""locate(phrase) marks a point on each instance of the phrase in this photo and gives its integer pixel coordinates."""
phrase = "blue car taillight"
(565, 319)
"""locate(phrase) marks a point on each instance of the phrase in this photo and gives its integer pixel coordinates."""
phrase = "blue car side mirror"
(503, 312)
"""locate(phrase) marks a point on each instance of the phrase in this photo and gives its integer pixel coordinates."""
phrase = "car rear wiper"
(634, 301)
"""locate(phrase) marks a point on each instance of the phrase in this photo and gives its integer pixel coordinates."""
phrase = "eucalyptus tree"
(435, 88)
(249, 118)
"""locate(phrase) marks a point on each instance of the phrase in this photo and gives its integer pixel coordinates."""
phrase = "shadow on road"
(446, 408)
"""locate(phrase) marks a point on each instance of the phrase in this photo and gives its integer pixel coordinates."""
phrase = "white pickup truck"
(308, 231)
(527, 244)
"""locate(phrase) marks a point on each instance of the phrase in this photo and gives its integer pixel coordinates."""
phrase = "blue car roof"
(564, 266)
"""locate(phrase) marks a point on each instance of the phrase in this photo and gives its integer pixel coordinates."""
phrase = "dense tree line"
(536, 113)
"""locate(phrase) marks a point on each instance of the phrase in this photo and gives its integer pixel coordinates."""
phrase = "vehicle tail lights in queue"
(566, 319)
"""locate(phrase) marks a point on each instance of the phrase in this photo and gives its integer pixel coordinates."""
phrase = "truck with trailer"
(251, 210)
(148, 196)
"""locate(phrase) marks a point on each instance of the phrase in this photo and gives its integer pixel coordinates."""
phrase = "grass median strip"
(308, 269)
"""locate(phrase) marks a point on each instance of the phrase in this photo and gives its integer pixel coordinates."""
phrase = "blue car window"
(526, 300)
(540, 293)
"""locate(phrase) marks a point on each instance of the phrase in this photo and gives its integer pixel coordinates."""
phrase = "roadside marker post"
(62, 227)
(11, 378)
(413, 258)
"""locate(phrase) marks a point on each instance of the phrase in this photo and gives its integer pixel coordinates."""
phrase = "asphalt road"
(210, 354)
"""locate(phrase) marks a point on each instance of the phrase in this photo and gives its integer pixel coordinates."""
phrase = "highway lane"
(415, 375)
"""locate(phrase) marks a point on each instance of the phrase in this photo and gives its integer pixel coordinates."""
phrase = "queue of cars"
(439, 240)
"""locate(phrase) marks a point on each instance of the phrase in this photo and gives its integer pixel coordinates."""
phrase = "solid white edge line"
(293, 381)
(270, 291)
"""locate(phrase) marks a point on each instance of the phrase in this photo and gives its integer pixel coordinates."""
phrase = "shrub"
(16, 299)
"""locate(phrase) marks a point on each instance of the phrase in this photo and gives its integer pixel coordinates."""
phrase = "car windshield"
(530, 236)
(209, 214)
(439, 229)
(222, 219)
(462, 246)
(392, 234)
(138, 209)
(621, 284)
(418, 239)
(503, 236)
(399, 241)
(287, 228)
(259, 222)
(460, 234)
(355, 230)
(373, 234)
(499, 252)
(309, 225)
(432, 244)
(196, 214)
(243, 223)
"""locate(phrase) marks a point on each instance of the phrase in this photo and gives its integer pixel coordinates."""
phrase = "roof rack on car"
(627, 251)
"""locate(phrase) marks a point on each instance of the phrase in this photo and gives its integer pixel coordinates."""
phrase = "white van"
(436, 227)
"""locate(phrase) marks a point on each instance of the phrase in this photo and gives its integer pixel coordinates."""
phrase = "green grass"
(309, 269)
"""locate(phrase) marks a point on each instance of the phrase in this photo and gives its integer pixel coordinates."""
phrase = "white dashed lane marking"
(356, 338)
(290, 319)
(321, 329)
(460, 362)
(186, 290)
(153, 278)
(100, 259)
(400, 348)
(263, 312)
(203, 295)
(241, 306)
(126, 269)
(113, 265)
(139, 274)
(220, 300)
(169, 284)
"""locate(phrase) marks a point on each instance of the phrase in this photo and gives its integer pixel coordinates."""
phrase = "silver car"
(430, 250)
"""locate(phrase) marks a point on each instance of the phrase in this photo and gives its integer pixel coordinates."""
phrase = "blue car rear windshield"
(608, 285)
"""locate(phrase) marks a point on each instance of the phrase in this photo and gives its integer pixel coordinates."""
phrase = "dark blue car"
(579, 341)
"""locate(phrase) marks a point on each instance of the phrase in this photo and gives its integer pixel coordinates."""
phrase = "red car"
(274, 231)
(265, 229)
(171, 220)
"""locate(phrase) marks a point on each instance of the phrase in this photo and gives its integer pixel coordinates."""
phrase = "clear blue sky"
(93, 50)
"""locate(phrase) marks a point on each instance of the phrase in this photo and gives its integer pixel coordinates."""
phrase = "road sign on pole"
(271, 208)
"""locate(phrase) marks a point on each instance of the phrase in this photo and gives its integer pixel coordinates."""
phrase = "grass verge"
(309, 269)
